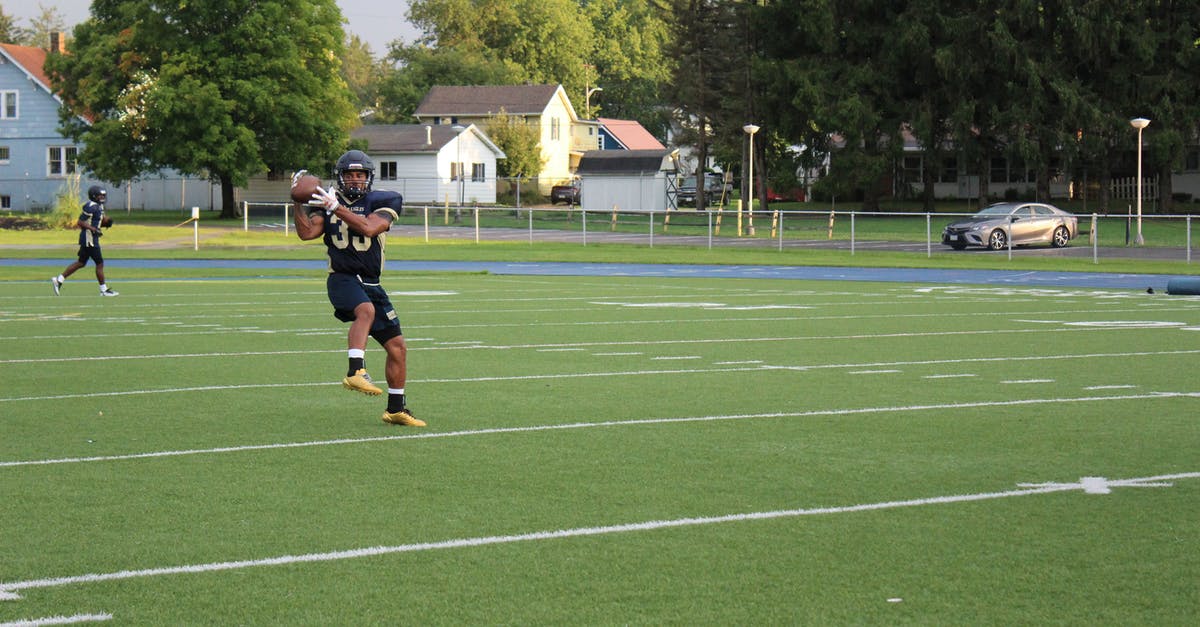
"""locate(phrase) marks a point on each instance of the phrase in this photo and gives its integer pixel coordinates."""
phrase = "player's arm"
(85, 223)
(308, 226)
(368, 226)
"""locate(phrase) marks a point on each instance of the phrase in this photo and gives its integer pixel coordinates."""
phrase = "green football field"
(601, 450)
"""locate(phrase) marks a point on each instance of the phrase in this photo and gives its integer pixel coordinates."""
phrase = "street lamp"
(751, 130)
(587, 101)
(1139, 124)
(458, 128)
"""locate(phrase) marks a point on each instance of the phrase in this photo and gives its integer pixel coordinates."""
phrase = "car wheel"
(1060, 238)
(997, 240)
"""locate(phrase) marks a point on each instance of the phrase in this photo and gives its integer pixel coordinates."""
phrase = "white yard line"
(1088, 485)
(605, 424)
(634, 373)
(57, 620)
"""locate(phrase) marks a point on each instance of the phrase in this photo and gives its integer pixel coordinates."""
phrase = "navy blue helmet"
(354, 160)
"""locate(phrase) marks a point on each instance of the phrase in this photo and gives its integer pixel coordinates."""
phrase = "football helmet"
(97, 194)
(354, 160)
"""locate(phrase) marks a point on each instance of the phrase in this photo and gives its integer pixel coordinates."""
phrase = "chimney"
(58, 42)
(428, 135)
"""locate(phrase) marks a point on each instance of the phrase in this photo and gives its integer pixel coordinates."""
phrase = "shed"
(628, 180)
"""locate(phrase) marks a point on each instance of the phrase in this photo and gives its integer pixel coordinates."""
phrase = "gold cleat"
(404, 418)
(361, 382)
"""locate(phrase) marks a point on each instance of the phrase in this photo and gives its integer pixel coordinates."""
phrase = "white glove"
(297, 175)
(327, 199)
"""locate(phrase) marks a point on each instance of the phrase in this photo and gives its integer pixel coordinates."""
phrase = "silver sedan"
(1021, 222)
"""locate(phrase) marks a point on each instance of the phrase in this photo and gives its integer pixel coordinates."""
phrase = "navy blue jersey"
(352, 253)
(93, 213)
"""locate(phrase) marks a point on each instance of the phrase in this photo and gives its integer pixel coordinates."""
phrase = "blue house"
(35, 160)
(37, 163)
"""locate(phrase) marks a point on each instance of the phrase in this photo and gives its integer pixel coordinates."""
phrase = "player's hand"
(326, 199)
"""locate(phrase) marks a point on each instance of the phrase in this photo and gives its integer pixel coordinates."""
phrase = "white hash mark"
(1100, 485)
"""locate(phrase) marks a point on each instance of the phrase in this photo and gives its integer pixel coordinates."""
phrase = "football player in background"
(354, 220)
(90, 220)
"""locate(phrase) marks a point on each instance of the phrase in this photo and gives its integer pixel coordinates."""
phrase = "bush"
(65, 212)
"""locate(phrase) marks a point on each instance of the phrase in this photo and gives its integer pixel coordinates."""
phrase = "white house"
(420, 161)
(433, 163)
(626, 180)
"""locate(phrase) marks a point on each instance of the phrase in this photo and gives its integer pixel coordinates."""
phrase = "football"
(106, 222)
(304, 187)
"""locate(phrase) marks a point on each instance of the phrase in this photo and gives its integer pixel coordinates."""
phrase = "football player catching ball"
(353, 219)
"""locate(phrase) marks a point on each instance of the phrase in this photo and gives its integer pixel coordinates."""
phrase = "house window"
(8, 105)
(387, 170)
(478, 172)
(999, 170)
(4, 155)
(554, 131)
(912, 169)
(1191, 161)
(456, 169)
(61, 160)
(949, 170)
(5, 202)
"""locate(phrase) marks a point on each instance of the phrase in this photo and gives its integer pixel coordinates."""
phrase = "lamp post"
(458, 128)
(751, 130)
(1139, 124)
(587, 101)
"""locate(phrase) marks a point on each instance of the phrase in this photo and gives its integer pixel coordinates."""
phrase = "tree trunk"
(1165, 191)
(928, 181)
(1105, 180)
(228, 205)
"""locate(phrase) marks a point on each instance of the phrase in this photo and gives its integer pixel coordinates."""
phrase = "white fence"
(1127, 188)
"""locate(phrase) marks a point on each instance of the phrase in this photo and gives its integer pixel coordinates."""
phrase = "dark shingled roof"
(479, 100)
(402, 138)
(622, 161)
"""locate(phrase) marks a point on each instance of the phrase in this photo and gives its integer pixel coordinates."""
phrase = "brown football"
(304, 187)
(106, 222)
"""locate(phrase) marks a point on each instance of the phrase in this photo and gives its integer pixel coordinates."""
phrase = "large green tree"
(704, 46)
(539, 41)
(224, 89)
(629, 62)
(1043, 87)
(519, 141)
(8, 28)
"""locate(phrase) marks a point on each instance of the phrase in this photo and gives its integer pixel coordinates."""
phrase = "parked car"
(1022, 222)
(569, 193)
(715, 189)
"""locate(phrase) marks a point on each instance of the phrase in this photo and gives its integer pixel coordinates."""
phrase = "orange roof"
(31, 60)
(630, 133)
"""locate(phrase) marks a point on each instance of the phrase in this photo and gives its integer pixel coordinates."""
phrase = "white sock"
(395, 390)
(103, 287)
(356, 353)
(62, 279)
